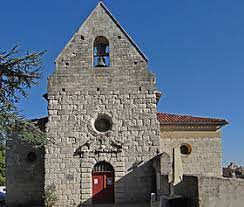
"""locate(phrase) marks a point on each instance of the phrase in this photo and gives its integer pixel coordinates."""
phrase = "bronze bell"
(101, 50)
(101, 62)
(101, 55)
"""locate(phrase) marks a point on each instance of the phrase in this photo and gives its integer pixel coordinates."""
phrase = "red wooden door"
(102, 187)
(97, 187)
(109, 187)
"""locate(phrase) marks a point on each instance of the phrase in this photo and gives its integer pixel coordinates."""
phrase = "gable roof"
(174, 119)
(101, 4)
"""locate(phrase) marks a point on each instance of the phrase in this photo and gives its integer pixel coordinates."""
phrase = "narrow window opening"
(98, 89)
(82, 37)
(67, 64)
(63, 89)
(135, 63)
(119, 37)
(101, 52)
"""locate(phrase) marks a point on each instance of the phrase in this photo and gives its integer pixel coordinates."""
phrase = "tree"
(18, 73)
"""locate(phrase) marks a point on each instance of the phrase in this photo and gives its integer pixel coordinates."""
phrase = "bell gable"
(80, 52)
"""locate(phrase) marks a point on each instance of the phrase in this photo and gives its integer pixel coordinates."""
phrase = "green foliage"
(2, 166)
(11, 122)
(18, 73)
(50, 197)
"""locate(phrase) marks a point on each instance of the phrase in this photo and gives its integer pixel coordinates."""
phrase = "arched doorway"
(103, 183)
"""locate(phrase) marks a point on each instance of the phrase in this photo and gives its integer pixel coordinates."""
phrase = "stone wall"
(221, 192)
(202, 191)
(25, 174)
(206, 156)
(78, 93)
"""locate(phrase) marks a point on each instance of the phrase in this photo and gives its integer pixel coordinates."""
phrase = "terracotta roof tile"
(167, 119)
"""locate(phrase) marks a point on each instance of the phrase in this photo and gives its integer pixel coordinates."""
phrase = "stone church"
(108, 143)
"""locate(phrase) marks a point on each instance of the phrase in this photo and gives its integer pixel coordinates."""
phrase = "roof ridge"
(167, 118)
(186, 115)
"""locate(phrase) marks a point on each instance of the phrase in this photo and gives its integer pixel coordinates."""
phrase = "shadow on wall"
(188, 189)
(25, 174)
(134, 188)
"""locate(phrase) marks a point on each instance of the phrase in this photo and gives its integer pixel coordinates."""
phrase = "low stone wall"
(220, 192)
(203, 191)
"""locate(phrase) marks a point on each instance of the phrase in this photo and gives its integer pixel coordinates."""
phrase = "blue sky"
(195, 47)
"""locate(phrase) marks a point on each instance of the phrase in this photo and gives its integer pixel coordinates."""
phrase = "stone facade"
(78, 93)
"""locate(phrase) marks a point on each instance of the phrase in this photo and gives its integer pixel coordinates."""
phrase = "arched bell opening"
(103, 183)
(101, 52)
